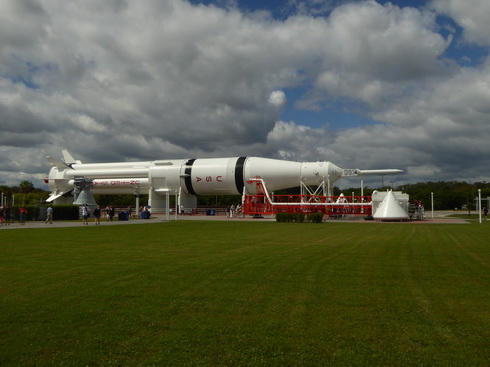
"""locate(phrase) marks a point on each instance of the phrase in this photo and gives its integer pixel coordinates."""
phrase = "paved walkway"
(158, 218)
(439, 217)
(64, 224)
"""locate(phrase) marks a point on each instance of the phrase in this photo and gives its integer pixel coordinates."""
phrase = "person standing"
(97, 215)
(49, 215)
(7, 215)
(85, 214)
(22, 216)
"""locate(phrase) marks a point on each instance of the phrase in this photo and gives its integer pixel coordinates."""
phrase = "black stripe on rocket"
(239, 168)
(188, 176)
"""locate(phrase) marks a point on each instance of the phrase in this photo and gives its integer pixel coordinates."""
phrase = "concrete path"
(154, 219)
(64, 224)
(439, 217)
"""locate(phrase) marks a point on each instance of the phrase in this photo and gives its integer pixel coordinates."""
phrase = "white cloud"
(301, 143)
(373, 53)
(471, 15)
(128, 80)
(424, 171)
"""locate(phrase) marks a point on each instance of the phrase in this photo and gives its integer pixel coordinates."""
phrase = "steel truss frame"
(263, 203)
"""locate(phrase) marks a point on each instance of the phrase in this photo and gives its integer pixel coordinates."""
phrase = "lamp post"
(432, 203)
(136, 193)
(176, 204)
(479, 204)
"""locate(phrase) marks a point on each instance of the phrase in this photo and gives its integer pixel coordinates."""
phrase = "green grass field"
(192, 293)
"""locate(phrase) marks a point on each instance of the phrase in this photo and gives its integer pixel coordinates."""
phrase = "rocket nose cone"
(334, 170)
(320, 171)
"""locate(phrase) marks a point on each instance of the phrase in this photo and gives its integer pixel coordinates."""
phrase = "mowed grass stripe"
(246, 293)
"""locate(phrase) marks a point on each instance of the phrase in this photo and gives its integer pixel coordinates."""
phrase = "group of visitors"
(234, 211)
(5, 215)
(110, 213)
(97, 214)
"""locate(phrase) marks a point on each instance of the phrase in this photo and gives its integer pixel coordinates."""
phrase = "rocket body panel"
(278, 174)
(125, 185)
(212, 176)
(202, 176)
(228, 176)
(58, 182)
(165, 176)
(108, 172)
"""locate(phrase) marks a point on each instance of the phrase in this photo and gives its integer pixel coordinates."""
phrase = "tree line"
(447, 195)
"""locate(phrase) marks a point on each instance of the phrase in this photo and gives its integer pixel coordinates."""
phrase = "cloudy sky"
(363, 84)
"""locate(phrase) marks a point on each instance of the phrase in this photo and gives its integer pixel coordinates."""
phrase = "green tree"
(470, 206)
(26, 187)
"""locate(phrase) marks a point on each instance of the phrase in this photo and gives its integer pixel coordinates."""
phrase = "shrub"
(66, 212)
(299, 217)
(315, 218)
(32, 212)
(61, 212)
(282, 217)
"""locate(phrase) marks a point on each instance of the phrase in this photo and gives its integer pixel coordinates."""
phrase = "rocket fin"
(54, 197)
(57, 195)
(57, 163)
(68, 158)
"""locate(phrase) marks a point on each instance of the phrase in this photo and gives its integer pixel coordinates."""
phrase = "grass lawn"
(192, 293)
(472, 216)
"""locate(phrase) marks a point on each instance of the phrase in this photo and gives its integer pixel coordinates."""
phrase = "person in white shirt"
(49, 213)
(85, 214)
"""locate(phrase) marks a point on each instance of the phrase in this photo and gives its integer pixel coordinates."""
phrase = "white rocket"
(190, 177)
